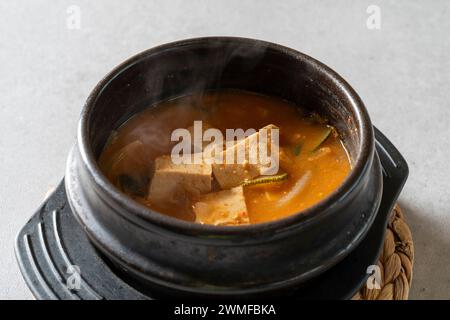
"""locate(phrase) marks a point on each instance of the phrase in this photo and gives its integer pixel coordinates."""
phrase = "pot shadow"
(431, 279)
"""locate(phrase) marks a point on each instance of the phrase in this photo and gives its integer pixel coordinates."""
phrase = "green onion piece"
(268, 179)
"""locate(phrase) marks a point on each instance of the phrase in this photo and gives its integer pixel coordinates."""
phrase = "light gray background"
(402, 72)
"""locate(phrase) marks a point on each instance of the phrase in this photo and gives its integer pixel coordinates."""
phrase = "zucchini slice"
(323, 137)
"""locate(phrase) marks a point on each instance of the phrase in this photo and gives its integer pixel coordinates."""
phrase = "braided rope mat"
(395, 262)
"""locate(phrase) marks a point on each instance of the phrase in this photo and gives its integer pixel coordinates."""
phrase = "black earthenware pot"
(182, 258)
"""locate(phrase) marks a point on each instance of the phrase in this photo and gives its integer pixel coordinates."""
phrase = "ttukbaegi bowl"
(176, 257)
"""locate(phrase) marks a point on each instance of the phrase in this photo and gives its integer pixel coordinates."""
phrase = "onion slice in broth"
(296, 189)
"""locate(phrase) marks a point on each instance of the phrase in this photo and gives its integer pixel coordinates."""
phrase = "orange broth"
(315, 168)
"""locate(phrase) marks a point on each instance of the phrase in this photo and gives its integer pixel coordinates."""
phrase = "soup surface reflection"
(312, 160)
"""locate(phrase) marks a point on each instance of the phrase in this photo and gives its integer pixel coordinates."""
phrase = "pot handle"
(395, 170)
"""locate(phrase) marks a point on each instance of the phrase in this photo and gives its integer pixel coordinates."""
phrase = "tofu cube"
(230, 175)
(223, 208)
(171, 181)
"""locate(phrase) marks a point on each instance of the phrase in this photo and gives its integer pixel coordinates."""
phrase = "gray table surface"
(401, 71)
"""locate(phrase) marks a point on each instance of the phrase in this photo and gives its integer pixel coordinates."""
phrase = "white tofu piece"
(230, 175)
(223, 208)
(171, 181)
